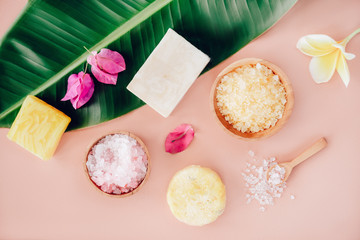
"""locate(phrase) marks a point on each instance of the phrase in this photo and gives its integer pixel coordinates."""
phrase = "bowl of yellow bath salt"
(252, 98)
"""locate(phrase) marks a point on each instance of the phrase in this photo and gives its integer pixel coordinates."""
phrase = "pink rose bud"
(80, 89)
(106, 65)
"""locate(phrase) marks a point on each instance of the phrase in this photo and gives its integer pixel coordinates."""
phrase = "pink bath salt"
(117, 164)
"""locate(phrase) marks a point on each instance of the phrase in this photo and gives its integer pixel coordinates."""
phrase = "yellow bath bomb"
(38, 127)
(196, 195)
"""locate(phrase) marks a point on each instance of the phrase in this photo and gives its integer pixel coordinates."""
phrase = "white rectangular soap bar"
(168, 73)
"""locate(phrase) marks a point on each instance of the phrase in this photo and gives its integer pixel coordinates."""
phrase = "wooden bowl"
(141, 143)
(264, 133)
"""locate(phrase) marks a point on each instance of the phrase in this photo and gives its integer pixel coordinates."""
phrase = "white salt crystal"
(265, 163)
(259, 188)
(251, 153)
(292, 197)
(276, 175)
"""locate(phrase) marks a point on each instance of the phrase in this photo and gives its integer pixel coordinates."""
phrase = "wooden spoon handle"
(316, 147)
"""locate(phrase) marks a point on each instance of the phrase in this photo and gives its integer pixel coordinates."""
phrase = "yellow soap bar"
(38, 127)
(196, 195)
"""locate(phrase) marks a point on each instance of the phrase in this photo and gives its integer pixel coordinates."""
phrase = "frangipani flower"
(328, 55)
(80, 89)
(106, 65)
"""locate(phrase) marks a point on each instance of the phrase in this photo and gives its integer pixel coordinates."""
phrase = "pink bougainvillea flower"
(106, 65)
(179, 139)
(80, 89)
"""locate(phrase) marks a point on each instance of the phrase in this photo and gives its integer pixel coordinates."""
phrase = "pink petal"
(110, 61)
(74, 102)
(86, 91)
(179, 139)
(91, 59)
(106, 65)
(102, 76)
(80, 89)
(73, 84)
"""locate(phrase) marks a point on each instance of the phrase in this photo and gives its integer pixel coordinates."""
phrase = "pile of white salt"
(261, 189)
(117, 164)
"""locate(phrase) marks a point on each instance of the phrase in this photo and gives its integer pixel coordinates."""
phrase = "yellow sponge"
(196, 195)
(38, 127)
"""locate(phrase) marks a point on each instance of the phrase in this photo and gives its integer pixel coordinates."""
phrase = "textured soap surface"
(38, 127)
(196, 195)
(168, 73)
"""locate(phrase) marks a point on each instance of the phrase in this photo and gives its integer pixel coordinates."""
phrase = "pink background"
(54, 199)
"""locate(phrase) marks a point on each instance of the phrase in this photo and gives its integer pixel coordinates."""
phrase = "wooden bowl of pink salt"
(118, 164)
(252, 98)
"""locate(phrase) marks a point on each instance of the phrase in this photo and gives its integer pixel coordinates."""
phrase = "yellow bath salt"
(38, 127)
(251, 98)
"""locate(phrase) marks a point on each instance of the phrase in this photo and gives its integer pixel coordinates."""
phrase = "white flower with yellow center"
(328, 55)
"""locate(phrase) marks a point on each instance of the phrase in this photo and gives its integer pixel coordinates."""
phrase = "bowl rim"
(263, 133)
(141, 143)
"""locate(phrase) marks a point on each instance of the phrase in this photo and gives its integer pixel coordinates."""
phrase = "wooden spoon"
(288, 166)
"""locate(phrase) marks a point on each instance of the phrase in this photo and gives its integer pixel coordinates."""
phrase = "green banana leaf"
(46, 45)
